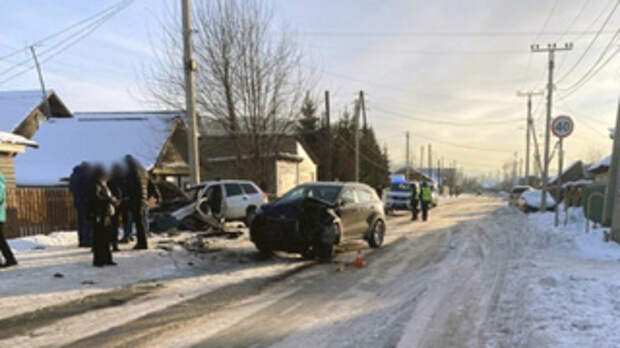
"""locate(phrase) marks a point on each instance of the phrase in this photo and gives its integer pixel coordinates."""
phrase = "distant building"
(104, 138)
(600, 170)
(292, 164)
(22, 113)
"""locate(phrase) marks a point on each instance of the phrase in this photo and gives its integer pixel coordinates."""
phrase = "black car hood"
(292, 209)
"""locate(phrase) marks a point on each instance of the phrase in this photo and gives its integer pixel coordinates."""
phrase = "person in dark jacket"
(117, 186)
(101, 206)
(425, 200)
(7, 254)
(137, 197)
(78, 183)
(415, 196)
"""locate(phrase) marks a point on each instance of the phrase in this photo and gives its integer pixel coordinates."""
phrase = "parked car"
(530, 201)
(311, 218)
(398, 196)
(434, 195)
(515, 194)
(212, 203)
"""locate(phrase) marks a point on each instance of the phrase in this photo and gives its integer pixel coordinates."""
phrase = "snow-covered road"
(479, 274)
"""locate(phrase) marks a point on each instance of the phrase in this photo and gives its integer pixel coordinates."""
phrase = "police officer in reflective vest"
(426, 200)
(415, 197)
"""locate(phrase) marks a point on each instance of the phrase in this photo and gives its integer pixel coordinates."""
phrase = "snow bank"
(40, 241)
(563, 291)
(533, 198)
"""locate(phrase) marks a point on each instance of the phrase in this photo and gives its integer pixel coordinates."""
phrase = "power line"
(58, 33)
(403, 90)
(450, 33)
(449, 123)
(60, 47)
(593, 70)
(580, 59)
(572, 23)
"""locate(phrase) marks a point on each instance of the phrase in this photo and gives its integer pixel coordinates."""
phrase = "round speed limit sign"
(562, 126)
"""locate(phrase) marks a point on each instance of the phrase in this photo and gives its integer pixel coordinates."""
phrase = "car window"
(328, 193)
(249, 189)
(363, 195)
(400, 187)
(233, 190)
(348, 196)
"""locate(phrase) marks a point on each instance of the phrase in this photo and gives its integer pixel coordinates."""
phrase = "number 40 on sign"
(562, 126)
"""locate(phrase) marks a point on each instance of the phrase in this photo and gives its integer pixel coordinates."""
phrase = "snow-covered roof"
(10, 138)
(602, 164)
(553, 178)
(15, 106)
(581, 182)
(102, 138)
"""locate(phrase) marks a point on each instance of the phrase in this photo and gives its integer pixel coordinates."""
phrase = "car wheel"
(324, 247)
(377, 233)
(263, 250)
(250, 214)
(325, 252)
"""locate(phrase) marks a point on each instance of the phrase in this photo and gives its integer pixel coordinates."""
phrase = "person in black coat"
(117, 186)
(78, 185)
(415, 197)
(137, 196)
(101, 206)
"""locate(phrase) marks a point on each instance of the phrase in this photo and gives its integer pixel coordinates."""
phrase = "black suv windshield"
(328, 193)
(402, 187)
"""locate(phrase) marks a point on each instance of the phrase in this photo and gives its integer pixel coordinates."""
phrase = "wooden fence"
(33, 211)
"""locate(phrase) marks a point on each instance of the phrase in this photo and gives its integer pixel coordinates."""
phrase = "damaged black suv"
(311, 218)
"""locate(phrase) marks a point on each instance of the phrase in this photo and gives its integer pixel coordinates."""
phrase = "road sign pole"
(562, 126)
(558, 191)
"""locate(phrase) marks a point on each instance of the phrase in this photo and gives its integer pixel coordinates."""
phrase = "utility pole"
(47, 112)
(328, 167)
(363, 101)
(421, 159)
(190, 95)
(357, 135)
(551, 49)
(527, 130)
(407, 162)
(430, 161)
(611, 211)
(439, 175)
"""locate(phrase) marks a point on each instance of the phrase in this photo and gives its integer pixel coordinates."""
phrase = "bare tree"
(250, 78)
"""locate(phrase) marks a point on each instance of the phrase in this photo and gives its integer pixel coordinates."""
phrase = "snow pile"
(572, 238)
(40, 241)
(533, 198)
(564, 287)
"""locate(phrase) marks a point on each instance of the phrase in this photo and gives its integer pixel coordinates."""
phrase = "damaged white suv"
(214, 202)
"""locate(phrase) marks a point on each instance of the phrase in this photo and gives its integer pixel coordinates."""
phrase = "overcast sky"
(427, 67)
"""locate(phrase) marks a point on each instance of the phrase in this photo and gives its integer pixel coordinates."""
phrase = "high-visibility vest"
(426, 194)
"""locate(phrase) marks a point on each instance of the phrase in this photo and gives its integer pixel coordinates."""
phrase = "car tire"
(377, 234)
(250, 214)
(325, 252)
(263, 250)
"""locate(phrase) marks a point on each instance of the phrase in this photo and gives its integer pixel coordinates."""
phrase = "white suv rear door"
(236, 201)
(254, 194)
